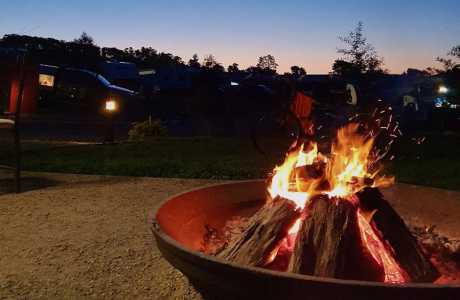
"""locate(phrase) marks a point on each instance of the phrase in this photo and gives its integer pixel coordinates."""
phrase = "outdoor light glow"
(443, 90)
(110, 105)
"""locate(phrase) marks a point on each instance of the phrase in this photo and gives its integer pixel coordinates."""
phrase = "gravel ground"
(84, 237)
(74, 237)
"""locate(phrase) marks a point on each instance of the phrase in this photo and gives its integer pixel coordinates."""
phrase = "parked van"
(81, 90)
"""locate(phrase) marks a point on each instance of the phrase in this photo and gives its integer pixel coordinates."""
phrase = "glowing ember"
(279, 259)
(381, 253)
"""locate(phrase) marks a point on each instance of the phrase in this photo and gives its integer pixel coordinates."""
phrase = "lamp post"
(110, 108)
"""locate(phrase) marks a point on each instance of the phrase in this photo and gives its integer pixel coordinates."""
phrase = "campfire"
(325, 216)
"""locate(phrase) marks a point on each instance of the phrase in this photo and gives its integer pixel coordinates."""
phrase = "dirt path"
(87, 237)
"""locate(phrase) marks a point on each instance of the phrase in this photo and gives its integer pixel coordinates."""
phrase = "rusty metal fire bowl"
(179, 222)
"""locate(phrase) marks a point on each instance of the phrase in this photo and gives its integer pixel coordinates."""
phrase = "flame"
(350, 160)
(307, 158)
(351, 166)
(282, 183)
(295, 227)
(347, 170)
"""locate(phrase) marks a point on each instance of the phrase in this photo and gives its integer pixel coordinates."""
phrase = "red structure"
(31, 92)
(10, 77)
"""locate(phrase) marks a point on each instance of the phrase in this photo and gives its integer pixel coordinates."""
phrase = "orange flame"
(350, 160)
(346, 170)
(282, 183)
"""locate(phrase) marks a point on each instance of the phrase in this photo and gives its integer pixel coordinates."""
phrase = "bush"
(150, 128)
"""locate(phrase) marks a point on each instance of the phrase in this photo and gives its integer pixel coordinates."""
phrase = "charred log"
(310, 174)
(313, 171)
(263, 233)
(392, 228)
(329, 245)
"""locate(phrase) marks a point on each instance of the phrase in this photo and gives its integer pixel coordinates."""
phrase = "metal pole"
(17, 119)
(109, 136)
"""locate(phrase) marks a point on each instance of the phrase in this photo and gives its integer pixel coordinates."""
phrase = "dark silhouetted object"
(12, 122)
(267, 63)
(233, 68)
(298, 72)
(359, 52)
(84, 39)
(194, 62)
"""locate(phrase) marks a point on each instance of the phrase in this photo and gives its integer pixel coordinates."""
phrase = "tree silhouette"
(209, 61)
(451, 73)
(297, 71)
(177, 60)
(267, 63)
(54, 52)
(345, 68)
(218, 68)
(451, 63)
(112, 53)
(82, 52)
(359, 53)
(194, 62)
(233, 68)
(84, 39)
(253, 70)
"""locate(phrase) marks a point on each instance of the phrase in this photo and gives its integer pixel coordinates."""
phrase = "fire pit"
(321, 220)
(179, 226)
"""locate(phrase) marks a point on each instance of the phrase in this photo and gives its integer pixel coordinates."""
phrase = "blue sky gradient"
(406, 33)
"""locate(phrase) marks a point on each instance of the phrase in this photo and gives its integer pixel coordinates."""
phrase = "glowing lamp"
(443, 89)
(111, 105)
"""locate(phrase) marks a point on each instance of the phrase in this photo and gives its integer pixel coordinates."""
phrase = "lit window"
(46, 80)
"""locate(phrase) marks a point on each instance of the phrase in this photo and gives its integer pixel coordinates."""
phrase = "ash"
(443, 252)
(215, 240)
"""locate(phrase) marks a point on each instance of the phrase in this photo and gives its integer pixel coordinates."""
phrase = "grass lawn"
(433, 163)
(167, 157)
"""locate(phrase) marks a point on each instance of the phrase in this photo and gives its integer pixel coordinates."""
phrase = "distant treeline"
(84, 53)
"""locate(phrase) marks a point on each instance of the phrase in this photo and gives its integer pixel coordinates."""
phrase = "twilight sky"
(407, 33)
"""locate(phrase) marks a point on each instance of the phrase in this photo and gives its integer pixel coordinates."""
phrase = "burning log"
(257, 244)
(329, 245)
(312, 171)
(349, 235)
(311, 176)
(393, 230)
